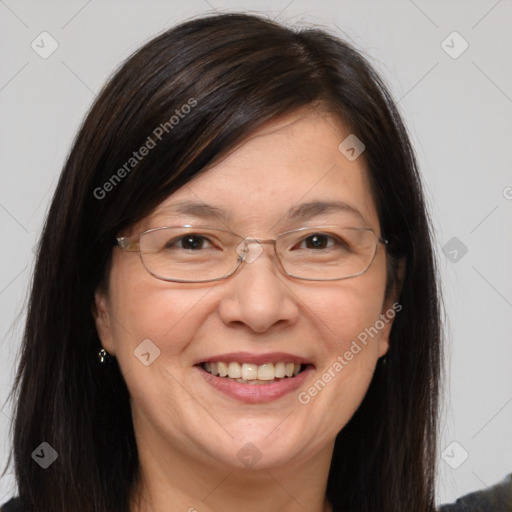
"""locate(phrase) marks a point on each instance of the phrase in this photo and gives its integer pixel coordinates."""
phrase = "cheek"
(155, 315)
(351, 343)
(347, 318)
(348, 311)
(162, 322)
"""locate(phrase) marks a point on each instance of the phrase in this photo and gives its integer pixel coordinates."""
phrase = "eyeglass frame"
(128, 244)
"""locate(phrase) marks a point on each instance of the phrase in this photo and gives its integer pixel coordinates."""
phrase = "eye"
(317, 241)
(190, 242)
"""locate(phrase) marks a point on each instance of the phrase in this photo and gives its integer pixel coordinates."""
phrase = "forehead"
(288, 171)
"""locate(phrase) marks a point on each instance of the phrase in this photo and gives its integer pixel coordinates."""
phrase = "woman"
(235, 302)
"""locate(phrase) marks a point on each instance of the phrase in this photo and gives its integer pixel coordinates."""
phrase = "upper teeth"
(249, 371)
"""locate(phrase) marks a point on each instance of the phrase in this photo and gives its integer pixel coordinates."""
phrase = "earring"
(104, 357)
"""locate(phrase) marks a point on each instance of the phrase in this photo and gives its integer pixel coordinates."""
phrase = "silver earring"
(104, 357)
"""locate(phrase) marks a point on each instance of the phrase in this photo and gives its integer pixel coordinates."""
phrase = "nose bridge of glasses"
(249, 249)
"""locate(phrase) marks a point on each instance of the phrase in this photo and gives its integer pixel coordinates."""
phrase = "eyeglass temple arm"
(126, 244)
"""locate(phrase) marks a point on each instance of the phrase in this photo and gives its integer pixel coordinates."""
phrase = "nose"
(257, 295)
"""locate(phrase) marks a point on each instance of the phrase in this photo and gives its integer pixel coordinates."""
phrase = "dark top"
(497, 498)
(13, 505)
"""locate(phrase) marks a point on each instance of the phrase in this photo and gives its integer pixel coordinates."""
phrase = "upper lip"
(247, 357)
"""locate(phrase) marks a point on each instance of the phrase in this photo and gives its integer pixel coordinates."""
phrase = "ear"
(102, 320)
(391, 306)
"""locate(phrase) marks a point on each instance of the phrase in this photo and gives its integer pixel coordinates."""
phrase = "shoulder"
(13, 505)
(497, 498)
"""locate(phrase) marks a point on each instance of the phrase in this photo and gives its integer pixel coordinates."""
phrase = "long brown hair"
(241, 71)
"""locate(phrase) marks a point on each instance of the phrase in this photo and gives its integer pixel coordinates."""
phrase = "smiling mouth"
(249, 373)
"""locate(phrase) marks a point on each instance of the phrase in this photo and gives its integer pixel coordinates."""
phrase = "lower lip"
(256, 393)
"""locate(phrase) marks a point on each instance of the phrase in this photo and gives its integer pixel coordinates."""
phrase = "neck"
(169, 477)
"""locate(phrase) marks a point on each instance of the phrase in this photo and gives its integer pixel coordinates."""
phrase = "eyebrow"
(191, 208)
(315, 208)
(299, 212)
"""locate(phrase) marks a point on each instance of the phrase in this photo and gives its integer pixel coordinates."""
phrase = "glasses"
(198, 254)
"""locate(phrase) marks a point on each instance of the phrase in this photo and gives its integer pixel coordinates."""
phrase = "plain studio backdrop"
(448, 66)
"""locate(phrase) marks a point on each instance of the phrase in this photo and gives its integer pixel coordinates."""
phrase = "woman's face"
(162, 332)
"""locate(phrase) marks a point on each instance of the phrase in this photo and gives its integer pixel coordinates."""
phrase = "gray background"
(458, 111)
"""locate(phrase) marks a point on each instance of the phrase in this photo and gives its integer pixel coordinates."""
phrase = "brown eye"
(317, 241)
(188, 242)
